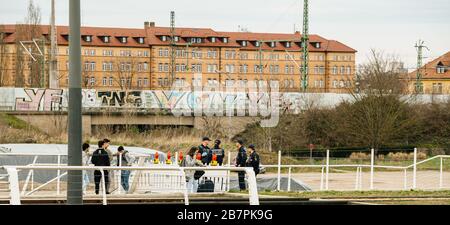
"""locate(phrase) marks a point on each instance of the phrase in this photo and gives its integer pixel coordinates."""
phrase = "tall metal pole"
(305, 40)
(74, 178)
(419, 86)
(53, 80)
(172, 48)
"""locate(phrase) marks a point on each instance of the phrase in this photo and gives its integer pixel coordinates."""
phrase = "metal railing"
(16, 195)
(325, 172)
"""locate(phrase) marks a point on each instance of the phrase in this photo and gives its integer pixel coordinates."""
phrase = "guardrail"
(16, 196)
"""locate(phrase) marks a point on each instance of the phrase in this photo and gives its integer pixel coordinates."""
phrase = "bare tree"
(126, 69)
(30, 30)
(4, 58)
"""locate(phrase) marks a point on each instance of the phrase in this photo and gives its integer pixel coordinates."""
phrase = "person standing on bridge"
(111, 158)
(100, 158)
(253, 159)
(205, 151)
(191, 161)
(241, 160)
(124, 159)
(85, 155)
(219, 151)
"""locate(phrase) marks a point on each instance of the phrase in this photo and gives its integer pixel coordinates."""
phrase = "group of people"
(104, 157)
(243, 159)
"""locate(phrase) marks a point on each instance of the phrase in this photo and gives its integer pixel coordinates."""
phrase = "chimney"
(152, 24)
(146, 24)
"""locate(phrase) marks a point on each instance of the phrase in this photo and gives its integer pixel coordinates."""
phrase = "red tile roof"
(429, 70)
(152, 37)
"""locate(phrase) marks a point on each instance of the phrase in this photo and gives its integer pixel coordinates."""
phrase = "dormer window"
(88, 38)
(106, 39)
(176, 38)
(440, 69)
(163, 38)
(288, 44)
(272, 44)
(257, 44)
(316, 44)
(225, 40)
(244, 43)
(213, 40)
(140, 40)
(123, 40)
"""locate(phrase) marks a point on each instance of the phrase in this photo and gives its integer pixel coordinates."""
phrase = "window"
(140, 40)
(213, 40)
(342, 70)
(437, 88)
(257, 44)
(288, 44)
(322, 70)
(106, 39)
(163, 38)
(440, 69)
(104, 81)
(176, 38)
(145, 82)
(225, 40)
(244, 68)
(212, 54)
(244, 43)
(123, 40)
(111, 81)
(88, 38)
(316, 69)
(349, 70)
(243, 56)
(92, 81)
(334, 71)
(272, 44)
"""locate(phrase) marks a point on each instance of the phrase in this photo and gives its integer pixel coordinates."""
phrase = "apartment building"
(122, 58)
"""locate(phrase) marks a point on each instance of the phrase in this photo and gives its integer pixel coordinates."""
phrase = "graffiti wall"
(32, 99)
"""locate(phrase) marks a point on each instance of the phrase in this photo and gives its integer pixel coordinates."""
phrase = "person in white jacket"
(191, 161)
(85, 157)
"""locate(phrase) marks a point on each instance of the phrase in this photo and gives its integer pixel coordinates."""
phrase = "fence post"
(228, 171)
(415, 168)
(13, 185)
(58, 181)
(119, 173)
(321, 178)
(176, 158)
(357, 178)
(327, 169)
(252, 187)
(360, 177)
(103, 186)
(279, 172)
(440, 174)
(405, 179)
(289, 180)
(372, 162)
(184, 185)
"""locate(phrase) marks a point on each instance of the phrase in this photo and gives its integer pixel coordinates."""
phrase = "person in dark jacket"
(100, 158)
(253, 159)
(220, 152)
(241, 160)
(205, 151)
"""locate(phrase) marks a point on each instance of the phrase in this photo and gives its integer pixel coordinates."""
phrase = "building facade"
(435, 77)
(148, 58)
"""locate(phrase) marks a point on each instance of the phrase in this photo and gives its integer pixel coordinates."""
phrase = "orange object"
(180, 156)
(214, 157)
(199, 156)
(156, 155)
(169, 155)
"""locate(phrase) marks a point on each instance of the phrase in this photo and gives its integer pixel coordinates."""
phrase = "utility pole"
(419, 86)
(172, 48)
(305, 40)
(53, 80)
(74, 178)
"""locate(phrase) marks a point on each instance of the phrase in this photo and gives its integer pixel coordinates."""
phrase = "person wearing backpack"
(124, 159)
(100, 158)
(191, 161)
(253, 159)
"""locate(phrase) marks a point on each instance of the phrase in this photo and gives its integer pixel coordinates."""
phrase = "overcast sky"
(392, 26)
